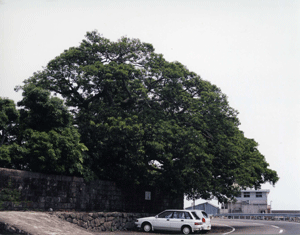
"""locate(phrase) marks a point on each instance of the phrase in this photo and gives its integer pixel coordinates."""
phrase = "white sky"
(248, 48)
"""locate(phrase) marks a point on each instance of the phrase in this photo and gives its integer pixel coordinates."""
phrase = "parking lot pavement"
(216, 229)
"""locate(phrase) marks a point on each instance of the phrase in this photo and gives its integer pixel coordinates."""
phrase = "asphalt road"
(231, 227)
(259, 226)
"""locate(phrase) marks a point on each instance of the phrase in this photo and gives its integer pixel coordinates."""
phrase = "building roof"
(257, 190)
(202, 204)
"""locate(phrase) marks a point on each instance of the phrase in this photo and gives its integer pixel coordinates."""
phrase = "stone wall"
(11, 229)
(36, 191)
(97, 222)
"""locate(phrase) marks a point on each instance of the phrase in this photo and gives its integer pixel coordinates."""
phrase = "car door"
(179, 219)
(162, 221)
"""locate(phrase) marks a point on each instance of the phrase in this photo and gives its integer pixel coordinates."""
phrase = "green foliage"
(9, 194)
(57, 152)
(144, 120)
(8, 117)
(46, 139)
(42, 112)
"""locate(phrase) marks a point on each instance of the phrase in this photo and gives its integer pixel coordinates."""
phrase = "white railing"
(293, 217)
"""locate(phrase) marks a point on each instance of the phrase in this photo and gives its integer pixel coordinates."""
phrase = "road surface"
(239, 226)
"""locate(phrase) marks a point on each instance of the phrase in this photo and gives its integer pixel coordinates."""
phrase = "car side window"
(195, 215)
(165, 214)
(187, 215)
(181, 215)
(178, 215)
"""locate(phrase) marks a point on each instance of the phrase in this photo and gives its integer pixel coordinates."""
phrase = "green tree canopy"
(9, 117)
(46, 140)
(149, 121)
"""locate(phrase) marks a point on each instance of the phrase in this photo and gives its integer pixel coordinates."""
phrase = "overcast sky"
(248, 48)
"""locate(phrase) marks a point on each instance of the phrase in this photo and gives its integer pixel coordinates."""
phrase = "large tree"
(149, 121)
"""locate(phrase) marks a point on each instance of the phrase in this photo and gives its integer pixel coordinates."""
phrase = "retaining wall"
(97, 222)
(36, 191)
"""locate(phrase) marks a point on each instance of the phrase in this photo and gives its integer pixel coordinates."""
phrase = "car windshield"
(195, 215)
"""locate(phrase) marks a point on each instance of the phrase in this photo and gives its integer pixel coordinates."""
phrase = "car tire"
(146, 227)
(186, 230)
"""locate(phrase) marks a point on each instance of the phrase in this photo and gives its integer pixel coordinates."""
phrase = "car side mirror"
(156, 217)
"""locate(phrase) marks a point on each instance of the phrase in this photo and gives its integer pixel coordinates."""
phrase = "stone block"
(80, 223)
(99, 222)
(110, 218)
(108, 226)
(116, 214)
(85, 217)
(85, 225)
(92, 223)
(100, 214)
(129, 225)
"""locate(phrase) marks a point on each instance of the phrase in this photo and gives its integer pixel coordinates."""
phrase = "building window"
(259, 194)
(246, 194)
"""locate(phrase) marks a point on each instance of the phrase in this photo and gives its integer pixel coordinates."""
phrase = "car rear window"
(204, 214)
(195, 215)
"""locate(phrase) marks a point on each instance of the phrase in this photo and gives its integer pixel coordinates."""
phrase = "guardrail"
(293, 217)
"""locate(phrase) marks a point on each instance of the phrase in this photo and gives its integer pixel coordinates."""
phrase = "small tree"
(46, 140)
(9, 118)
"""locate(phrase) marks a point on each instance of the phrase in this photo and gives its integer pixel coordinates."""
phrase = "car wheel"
(147, 227)
(186, 230)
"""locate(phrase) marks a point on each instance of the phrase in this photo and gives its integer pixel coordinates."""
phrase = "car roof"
(182, 210)
(175, 210)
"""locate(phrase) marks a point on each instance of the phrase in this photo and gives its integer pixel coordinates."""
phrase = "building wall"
(41, 192)
(253, 198)
(251, 204)
(252, 209)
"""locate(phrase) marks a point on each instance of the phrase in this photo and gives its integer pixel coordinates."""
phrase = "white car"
(186, 221)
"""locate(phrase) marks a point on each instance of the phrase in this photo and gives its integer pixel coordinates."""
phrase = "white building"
(249, 201)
